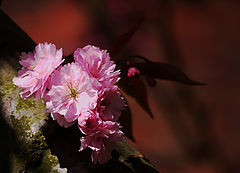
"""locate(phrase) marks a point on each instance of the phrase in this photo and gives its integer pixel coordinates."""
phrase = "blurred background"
(195, 129)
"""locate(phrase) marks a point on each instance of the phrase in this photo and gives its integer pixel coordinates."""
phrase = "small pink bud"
(133, 71)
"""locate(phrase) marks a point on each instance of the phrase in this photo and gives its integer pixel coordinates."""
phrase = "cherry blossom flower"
(98, 65)
(101, 138)
(37, 67)
(111, 105)
(71, 92)
(88, 121)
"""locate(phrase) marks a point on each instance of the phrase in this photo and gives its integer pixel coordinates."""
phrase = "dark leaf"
(122, 40)
(135, 87)
(164, 71)
(126, 122)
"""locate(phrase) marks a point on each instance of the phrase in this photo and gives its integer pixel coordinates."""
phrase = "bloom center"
(73, 92)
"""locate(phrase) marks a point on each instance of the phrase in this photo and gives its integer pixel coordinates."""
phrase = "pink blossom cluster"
(83, 91)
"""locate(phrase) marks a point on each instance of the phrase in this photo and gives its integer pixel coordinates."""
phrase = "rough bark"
(30, 140)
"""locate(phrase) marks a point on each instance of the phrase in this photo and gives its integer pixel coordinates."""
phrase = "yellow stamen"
(73, 92)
